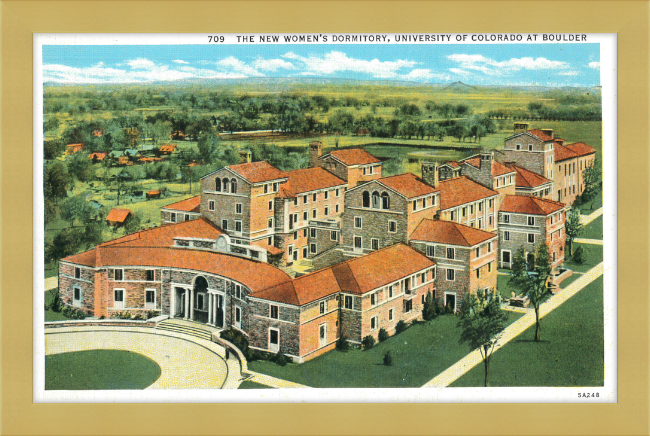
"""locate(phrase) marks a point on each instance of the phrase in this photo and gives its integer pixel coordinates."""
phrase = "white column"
(210, 297)
(172, 302)
(216, 305)
(187, 304)
(192, 303)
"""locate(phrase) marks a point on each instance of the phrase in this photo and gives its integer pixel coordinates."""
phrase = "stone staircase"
(187, 327)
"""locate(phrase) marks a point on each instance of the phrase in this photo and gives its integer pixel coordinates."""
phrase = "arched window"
(375, 200)
(366, 199)
(226, 185)
(385, 200)
(233, 186)
(217, 184)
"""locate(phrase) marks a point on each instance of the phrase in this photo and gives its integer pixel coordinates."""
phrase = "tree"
(481, 321)
(207, 146)
(63, 244)
(133, 224)
(161, 131)
(429, 311)
(50, 210)
(53, 148)
(591, 177)
(92, 235)
(56, 181)
(572, 227)
(76, 208)
(80, 167)
(533, 284)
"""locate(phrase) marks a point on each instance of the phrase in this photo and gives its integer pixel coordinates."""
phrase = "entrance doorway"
(274, 340)
(201, 300)
(219, 317)
(450, 302)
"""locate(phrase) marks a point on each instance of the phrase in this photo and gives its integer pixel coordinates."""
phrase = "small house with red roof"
(97, 156)
(155, 193)
(118, 217)
(184, 210)
(526, 222)
(167, 149)
(74, 148)
(466, 258)
(354, 165)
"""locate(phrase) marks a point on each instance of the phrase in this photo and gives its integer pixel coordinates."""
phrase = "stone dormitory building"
(376, 245)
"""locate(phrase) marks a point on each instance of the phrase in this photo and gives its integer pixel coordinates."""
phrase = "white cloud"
(492, 67)
(336, 62)
(459, 71)
(423, 75)
(179, 61)
(594, 65)
(272, 64)
(568, 73)
(235, 65)
(141, 63)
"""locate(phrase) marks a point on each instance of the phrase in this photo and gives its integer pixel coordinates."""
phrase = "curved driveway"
(185, 363)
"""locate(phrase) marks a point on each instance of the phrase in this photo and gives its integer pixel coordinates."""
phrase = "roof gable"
(461, 190)
(192, 204)
(353, 156)
(408, 185)
(450, 233)
(529, 205)
(308, 179)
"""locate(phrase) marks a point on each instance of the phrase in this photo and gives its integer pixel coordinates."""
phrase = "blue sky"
(477, 64)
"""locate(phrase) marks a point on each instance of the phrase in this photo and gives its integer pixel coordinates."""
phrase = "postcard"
(325, 218)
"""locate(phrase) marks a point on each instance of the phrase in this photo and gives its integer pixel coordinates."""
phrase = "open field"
(419, 354)
(570, 353)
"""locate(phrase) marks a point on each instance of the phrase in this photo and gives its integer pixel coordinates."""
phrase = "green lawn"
(51, 315)
(593, 255)
(252, 385)
(99, 369)
(597, 203)
(570, 354)
(419, 354)
(593, 230)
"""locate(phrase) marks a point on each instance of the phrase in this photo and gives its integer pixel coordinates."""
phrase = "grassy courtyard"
(570, 353)
(99, 370)
(593, 230)
(51, 315)
(419, 354)
(593, 254)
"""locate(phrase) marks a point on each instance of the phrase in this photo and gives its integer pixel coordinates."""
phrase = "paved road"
(185, 362)
(457, 370)
(586, 219)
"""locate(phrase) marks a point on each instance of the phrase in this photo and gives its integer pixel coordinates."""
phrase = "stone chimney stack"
(315, 151)
(245, 156)
(430, 173)
(521, 127)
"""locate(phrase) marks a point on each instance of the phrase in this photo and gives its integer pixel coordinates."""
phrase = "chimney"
(430, 173)
(548, 132)
(521, 127)
(245, 156)
(315, 151)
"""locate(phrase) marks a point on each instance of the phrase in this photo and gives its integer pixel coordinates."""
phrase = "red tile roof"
(354, 156)
(451, 233)
(188, 205)
(526, 178)
(408, 184)
(498, 169)
(304, 289)
(99, 155)
(529, 205)
(580, 148)
(563, 153)
(461, 190)
(308, 179)
(164, 235)
(118, 215)
(256, 172)
(541, 135)
(167, 148)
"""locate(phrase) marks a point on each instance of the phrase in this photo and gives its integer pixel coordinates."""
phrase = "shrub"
(73, 313)
(342, 343)
(238, 339)
(579, 256)
(368, 342)
(260, 355)
(138, 317)
(55, 306)
(388, 359)
(281, 359)
(152, 314)
(383, 335)
(401, 326)
(430, 309)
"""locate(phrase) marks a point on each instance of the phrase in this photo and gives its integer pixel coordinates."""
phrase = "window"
(118, 274)
(337, 208)
(385, 200)
(305, 200)
(365, 171)
(224, 224)
(506, 218)
(149, 275)
(471, 209)
(453, 215)
(433, 274)
(327, 210)
(518, 146)
(233, 186)
(431, 250)
(217, 185)
(305, 217)
(326, 194)
(491, 203)
(304, 233)
(312, 233)
(375, 200)
(373, 299)
(270, 240)
(338, 191)
(505, 256)
(375, 243)
(464, 211)
(295, 201)
(348, 302)
(423, 276)
(490, 220)
(270, 223)
(478, 251)
(314, 197)
(333, 235)
(118, 298)
(490, 267)
(365, 199)
(530, 147)
(392, 226)
(150, 299)
(211, 205)
(187, 217)
(77, 272)
(173, 217)
(433, 200)
(237, 316)
(531, 238)
(238, 226)
(312, 248)
(478, 273)
(489, 247)
(238, 208)
(276, 185)
(290, 250)
(323, 307)
(390, 291)
(270, 205)
(451, 274)
(295, 235)
(408, 306)
(451, 253)
(480, 207)
(415, 205)
(314, 213)
(374, 323)
(266, 189)
(357, 222)
(76, 296)
(390, 315)
(274, 311)
(424, 202)
(506, 236)
(531, 220)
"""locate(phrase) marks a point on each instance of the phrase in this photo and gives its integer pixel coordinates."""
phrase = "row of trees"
(542, 112)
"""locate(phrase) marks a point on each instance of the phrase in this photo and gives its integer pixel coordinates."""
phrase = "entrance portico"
(198, 303)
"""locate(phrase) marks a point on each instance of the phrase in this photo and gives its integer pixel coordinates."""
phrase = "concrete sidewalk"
(589, 241)
(51, 283)
(474, 358)
(273, 382)
(586, 219)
